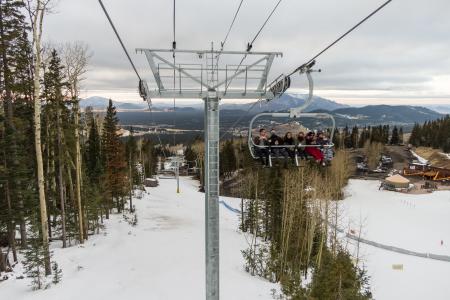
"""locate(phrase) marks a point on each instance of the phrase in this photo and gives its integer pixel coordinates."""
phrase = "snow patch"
(162, 257)
(415, 222)
(445, 154)
(419, 158)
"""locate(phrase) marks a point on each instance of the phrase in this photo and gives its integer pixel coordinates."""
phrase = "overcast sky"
(402, 55)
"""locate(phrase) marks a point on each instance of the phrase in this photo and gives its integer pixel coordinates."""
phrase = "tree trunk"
(60, 175)
(2, 262)
(131, 184)
(37, 33)
(78, 171)
(11, 224)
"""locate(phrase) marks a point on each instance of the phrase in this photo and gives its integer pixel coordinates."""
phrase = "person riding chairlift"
(262, 140)
(311, 139)
(288, 140)
(323, 140)
(275, 140)
(301, 142)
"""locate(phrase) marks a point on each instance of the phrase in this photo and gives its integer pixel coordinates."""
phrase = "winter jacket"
(260, 142)
(275, 140)
(288, 141)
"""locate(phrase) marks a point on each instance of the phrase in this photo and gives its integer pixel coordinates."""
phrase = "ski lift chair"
(278, 88)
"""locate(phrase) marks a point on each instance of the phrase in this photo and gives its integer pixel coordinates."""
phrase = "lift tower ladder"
(211, 75)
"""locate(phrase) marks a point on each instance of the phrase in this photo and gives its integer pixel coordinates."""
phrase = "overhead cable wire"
(250, 45)
(222, 44)
(341, 37)
(263, 25)
(134, 68)
(119, 38)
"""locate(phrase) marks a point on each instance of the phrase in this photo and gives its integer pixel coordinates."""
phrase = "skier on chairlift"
(276, 141)
(301, 142)
(288, 140)
(324, 141)
(311, 139)
(262, 140)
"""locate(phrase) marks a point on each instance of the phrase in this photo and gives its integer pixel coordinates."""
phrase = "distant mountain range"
(100, 103)
(286, 102)
(384, 114)
(440, 108)
(344, 114)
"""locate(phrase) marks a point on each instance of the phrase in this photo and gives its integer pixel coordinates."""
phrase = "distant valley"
(191, 117)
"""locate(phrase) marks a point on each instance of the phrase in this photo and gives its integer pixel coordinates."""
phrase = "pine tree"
(114, 161)
(57, 273)
(338, 278)
(53, 85)
(337, 139)
(228, 159)
(132, 158)
(15, 87)
(395, 138)
(400, 136)
(348, 143)
(354, 137)
(150, 158)
(94, 166)
(35, 256)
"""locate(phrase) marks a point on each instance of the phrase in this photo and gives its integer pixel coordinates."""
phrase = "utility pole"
(212, 196)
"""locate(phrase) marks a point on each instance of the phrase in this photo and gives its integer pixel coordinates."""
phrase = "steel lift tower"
(211, 75)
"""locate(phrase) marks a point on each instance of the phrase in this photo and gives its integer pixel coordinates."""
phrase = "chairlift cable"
(120, 40)
(250, 45)
(264, 24)
(341, 37)
(222, 44)
(134, 68)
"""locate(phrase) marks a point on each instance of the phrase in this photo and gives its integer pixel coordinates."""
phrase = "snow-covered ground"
(414, 222)
(447, 155)
(161, 258)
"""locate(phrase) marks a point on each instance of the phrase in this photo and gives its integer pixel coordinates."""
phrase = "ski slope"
(161, 258)
(414, 222)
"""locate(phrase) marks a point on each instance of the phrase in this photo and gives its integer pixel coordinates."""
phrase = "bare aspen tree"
(76, 58)
(37, 10)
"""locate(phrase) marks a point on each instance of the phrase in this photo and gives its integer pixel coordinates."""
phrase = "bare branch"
(76, 58)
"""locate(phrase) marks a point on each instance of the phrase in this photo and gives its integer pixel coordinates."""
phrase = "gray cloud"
(405, 47)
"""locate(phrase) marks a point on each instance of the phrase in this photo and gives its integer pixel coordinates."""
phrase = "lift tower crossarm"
(204, 74)
(202, 52)
(229, 79)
